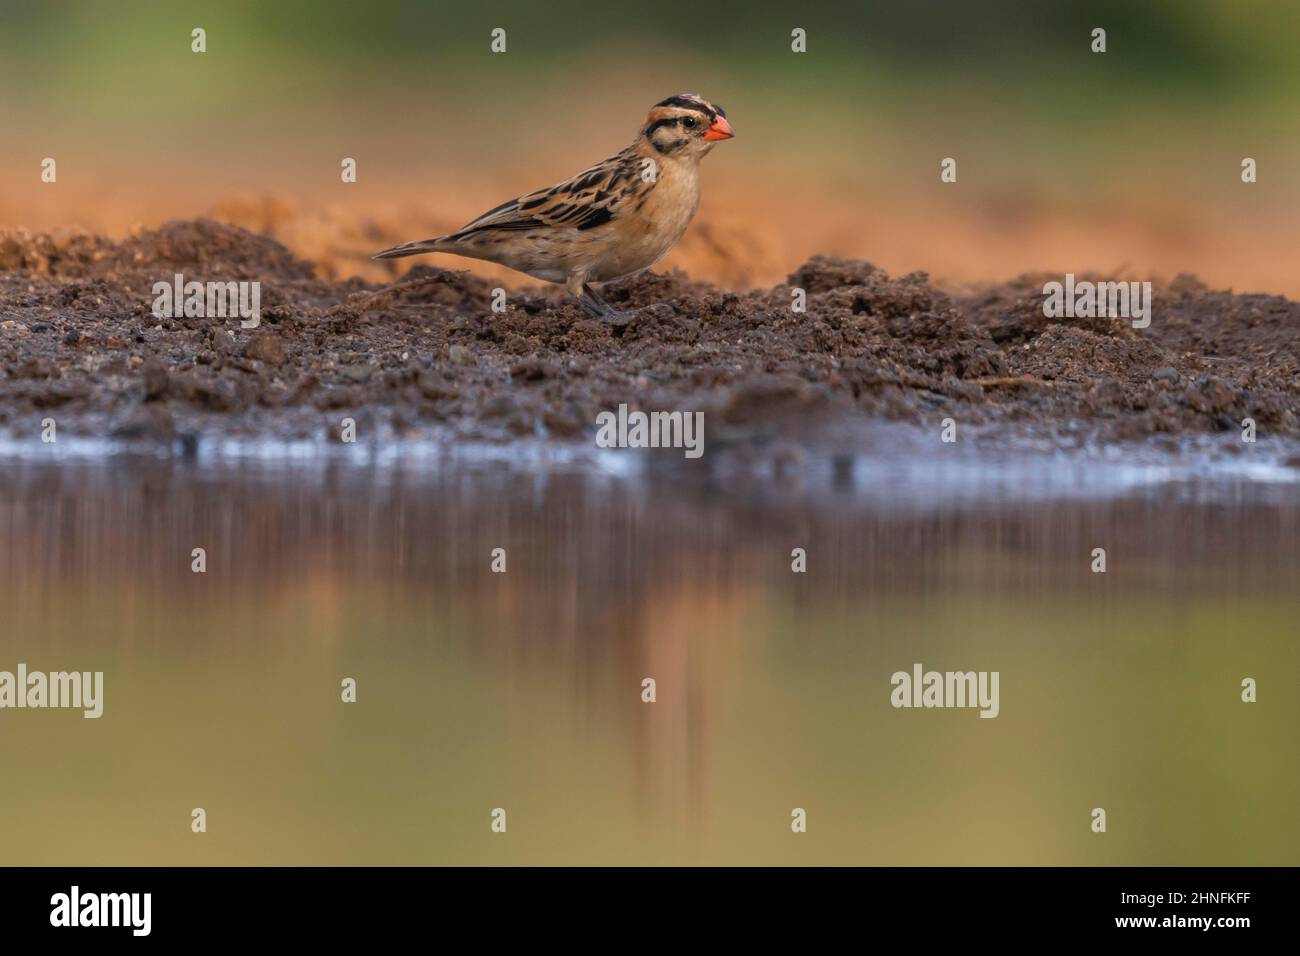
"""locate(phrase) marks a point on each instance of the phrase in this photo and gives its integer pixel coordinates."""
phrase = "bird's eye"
(689, 122)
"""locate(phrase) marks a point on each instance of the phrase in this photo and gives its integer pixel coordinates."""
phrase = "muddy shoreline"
(425, 357)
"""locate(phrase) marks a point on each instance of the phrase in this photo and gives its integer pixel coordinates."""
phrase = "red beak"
(720, 129)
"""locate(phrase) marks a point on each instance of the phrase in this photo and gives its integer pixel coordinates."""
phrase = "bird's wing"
(592, 198)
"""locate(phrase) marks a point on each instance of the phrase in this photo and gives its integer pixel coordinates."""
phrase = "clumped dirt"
(425, 355)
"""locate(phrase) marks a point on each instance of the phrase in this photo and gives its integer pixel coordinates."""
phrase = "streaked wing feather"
(591, 198)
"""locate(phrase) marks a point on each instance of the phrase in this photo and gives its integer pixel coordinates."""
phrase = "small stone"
(156, 380)
(224, 342)
(266, 347)
(333, 398)
(433, 385)
(36, 368)
(460, 355)
(1166, 374)
(146, 423)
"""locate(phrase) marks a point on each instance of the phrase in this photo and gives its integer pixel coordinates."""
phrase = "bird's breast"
(652, 225)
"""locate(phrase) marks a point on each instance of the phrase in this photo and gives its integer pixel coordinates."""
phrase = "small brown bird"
(608, 222)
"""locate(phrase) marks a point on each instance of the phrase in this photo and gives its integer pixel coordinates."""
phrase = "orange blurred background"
(1127, 161)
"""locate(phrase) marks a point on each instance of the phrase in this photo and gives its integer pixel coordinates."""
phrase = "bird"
(611, 221)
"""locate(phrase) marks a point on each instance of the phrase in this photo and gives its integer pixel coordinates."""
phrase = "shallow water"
(522, 690)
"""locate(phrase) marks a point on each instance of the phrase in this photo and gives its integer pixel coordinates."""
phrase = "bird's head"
(685, 126)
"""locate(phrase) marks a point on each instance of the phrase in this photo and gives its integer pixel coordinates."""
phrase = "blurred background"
(1122, 162)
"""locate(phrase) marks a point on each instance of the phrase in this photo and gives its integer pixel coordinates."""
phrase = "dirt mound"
(427, 354)
(200, 246)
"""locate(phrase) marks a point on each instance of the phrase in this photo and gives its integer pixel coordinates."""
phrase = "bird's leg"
(593, 303)
(582, 291)
(603, 309)
(579, 289)
(595, 296)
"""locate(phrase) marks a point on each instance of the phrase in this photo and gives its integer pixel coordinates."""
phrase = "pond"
(645, 677)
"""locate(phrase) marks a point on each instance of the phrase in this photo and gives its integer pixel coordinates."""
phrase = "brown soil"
(425, 356)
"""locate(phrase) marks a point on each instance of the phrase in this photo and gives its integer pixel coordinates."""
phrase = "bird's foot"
(619, 318)
(595, 304)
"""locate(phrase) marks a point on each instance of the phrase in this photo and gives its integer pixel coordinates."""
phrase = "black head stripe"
(703, 119)
(660, 124)
(688, 103)
(665, 148)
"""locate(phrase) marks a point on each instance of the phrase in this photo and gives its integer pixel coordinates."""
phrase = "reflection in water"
(523, 690)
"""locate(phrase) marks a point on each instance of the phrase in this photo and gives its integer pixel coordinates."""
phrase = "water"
(523, 690)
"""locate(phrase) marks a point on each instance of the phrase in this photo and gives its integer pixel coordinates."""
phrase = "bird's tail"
(410, 248)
